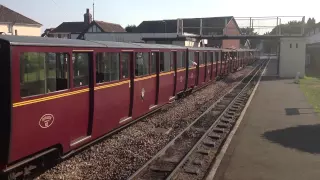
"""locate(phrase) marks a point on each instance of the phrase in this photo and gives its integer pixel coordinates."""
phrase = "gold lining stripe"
(202, 65)
(49, 98)
(166, 73)
(179, 70)
(111, 85)
(192, 68)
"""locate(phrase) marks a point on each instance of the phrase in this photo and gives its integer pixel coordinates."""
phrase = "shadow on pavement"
(304, 138)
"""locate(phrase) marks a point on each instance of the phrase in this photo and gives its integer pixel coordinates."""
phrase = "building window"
(165, 62)
(10, 28)
(296, 45)
(125, 59)
(290, 45)
(80, 69)
(153, 63)
(42, 73)
(142, 64)
(107, 67)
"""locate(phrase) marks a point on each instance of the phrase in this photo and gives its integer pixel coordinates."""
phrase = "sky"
(51, 13)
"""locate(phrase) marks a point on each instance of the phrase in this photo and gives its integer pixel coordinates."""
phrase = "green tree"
(290, 28)
(131, 28)
(250, 31)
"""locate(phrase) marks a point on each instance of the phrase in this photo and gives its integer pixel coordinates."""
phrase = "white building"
(13, 23)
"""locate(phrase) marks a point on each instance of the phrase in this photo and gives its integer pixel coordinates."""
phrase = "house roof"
(70, 27)
(170, 26)
(80, 27)
(109, 27)
(9, 16)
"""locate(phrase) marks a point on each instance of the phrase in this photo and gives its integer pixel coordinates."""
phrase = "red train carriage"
(218, 62)
(241, 55)
(224, 62)
(60, 94)
(192, 73)
(71, 92)
(202, 66)
(233, 58)
(212, 62)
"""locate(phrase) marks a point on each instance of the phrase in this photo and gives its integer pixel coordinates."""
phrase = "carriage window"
(153, 63)
(172, 62)
(142, 64)
(181, 62)
(184, 56)
(209, 58)
(201, 58)
(125, 58)
(42, 73)
(216, 58)
(80, 69)
(212, 57)
(165, 62)
(191, 59)
(107, 67)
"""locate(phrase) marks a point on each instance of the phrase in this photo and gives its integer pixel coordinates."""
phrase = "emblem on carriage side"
(46, 121)
(181, 78)
(191, 75)
(142, 93)
(208, 71)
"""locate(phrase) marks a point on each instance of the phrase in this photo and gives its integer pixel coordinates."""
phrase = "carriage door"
(206, 72)
(173, 62)
(154, 71)
(216, 61)
(196, 59)
(81, 121)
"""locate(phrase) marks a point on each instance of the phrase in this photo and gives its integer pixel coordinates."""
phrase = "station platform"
(278, 138)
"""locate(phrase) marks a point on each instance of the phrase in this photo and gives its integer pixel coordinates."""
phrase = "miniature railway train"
(60, 95)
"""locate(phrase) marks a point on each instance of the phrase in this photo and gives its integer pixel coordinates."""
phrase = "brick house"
(204, 26)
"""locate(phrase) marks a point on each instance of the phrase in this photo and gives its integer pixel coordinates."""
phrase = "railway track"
(190, 153)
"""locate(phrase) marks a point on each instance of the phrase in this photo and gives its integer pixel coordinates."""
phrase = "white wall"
(22, 30)
(292, 60)
(74, 36)
(94, 28)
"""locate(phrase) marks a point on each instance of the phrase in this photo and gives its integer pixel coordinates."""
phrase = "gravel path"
(120, 155)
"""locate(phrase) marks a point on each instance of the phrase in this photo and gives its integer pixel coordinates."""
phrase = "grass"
(37, 76)
(311, 89)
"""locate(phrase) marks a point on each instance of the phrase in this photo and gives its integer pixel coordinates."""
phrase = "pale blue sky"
(51, 13)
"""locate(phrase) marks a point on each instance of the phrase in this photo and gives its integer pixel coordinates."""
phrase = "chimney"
(87, 17)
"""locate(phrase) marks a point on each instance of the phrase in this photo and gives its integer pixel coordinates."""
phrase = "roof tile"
(110, 27)
(70, 27)
(10, 16)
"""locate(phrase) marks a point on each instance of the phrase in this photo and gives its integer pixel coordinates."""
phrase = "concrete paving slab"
(279, 137)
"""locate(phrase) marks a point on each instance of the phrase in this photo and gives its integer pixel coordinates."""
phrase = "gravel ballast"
(120, 155)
